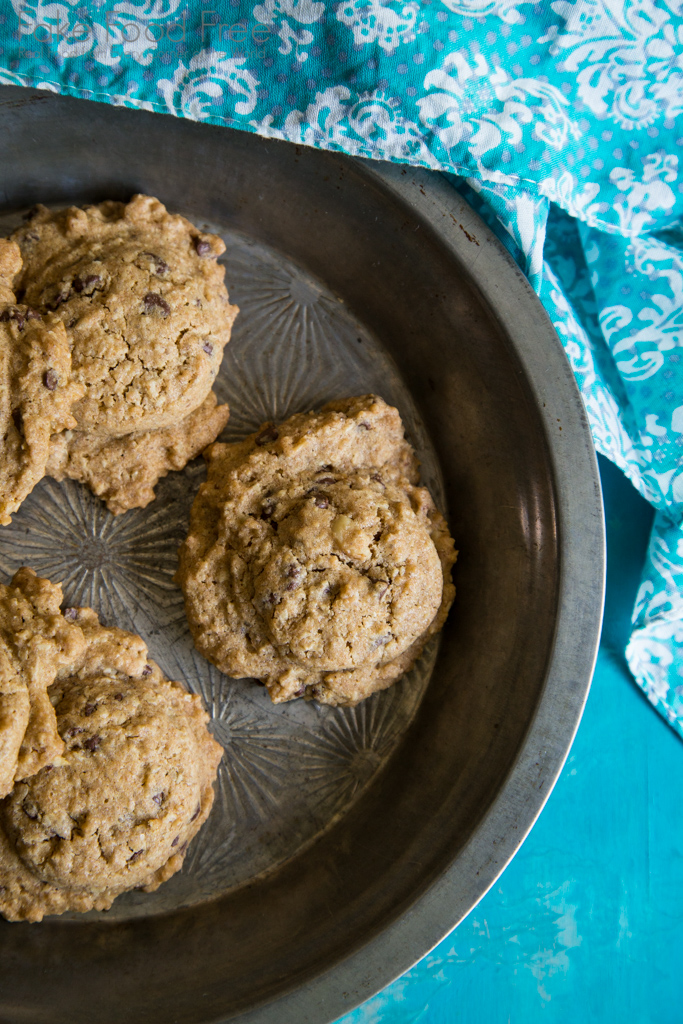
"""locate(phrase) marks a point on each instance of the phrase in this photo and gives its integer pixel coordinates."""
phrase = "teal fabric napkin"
(559, 121)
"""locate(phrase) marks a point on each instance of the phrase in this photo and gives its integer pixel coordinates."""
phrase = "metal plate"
(344, 843)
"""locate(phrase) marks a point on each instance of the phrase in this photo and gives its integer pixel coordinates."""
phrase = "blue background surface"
(586, 924)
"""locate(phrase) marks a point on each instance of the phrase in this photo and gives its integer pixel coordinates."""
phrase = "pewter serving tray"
(343, 843)
(289, 771)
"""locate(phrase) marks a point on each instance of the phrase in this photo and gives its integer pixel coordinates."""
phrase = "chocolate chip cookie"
(143, 299)
(37, 391)
(314, 562)
(131, 786)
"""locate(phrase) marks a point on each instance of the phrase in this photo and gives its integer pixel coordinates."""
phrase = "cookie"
(314, 562)
(131, 788)
(36, 643)
(36, 389)
(123, 471)
(144, 303)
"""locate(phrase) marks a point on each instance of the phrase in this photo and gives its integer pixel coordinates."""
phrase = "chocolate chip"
(136, 856)
(377, 478)
(321, 501)
(93, 743)
(30, 810)
(73, 731)
(202, 247)
(51, 380)
(326, 480)
(13, 313)
(271, 599)
(208, 348)
(32, 314)
(293, 572)
(89, 710)
(196, 813)
(175, 841)
(118, 696)
(267, 435)
(158, 798)
(48, 767)
(364, 426)
(61, 296)
(300, 692)
(377, 536)
(160, 266)
(70, 614)
(87, 285)
(147, 670)
(154, 303)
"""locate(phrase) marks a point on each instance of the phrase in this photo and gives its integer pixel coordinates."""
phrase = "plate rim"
(509, 819)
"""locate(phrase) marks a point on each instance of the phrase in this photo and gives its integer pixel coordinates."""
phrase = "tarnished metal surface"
(344, 843)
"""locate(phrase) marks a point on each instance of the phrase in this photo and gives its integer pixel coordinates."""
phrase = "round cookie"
(36, 389)
(144, 303)
(132, 787)
(313, 561)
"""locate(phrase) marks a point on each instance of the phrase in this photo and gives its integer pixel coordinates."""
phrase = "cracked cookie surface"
(116, 809)
(314, 562)
(36, 389)
(144, 304)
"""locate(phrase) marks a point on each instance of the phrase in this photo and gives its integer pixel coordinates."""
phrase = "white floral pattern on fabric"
(563, 122)
(628, 58)
(387, 24)
(194, 89)
(279, 12)
(338, 120)
(505, 9)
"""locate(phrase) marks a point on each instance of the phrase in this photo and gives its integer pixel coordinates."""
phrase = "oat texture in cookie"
(123, 471)
(131, 788)
(37, 642)
(36, 389)
(143, 300)
(314, 561)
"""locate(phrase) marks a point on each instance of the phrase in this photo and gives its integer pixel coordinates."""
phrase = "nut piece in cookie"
(142, 297)
(36, 389)
(132, 786)
(314, 562)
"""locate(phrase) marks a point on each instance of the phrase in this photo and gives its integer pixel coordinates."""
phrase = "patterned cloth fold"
(562, 122)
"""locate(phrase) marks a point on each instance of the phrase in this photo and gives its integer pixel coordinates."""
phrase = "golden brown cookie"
(123, 471)
(36, 644)
(132, 786)
(36, 389)
(313, 561)
(143, 301)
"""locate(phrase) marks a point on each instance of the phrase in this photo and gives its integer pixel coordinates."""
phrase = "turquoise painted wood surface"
(586, 925)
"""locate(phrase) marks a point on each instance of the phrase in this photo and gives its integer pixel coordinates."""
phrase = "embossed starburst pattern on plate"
(289, 771)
